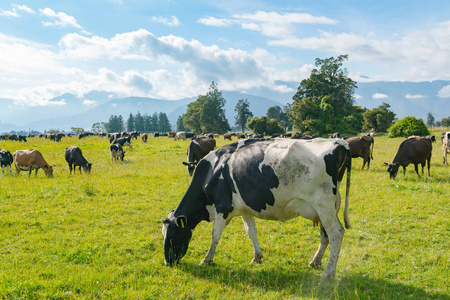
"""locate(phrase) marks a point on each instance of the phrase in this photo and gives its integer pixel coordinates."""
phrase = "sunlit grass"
(98, 235)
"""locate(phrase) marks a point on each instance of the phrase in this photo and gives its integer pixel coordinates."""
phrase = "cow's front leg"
(324, 241)
(218, 227)
(250, 227)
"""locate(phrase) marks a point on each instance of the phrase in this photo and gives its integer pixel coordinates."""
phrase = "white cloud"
(24, 8)
(60, 19)
(379, 96)
(89, 102)
(9, 13)
(212, 21)
(270, 24)
(416, 96)
(173, 21)
(444, 92)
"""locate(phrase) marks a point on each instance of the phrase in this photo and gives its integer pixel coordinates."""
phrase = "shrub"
(408, 126)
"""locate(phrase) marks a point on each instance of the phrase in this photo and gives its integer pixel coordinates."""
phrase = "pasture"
(98, 235)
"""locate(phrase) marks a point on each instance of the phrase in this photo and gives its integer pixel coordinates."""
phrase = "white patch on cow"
(241, 143)
(195, 142)
(212, 212)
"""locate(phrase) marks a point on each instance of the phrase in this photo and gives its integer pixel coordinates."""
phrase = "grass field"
(98, 236)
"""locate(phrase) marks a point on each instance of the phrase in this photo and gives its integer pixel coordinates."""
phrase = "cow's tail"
(347, 191)
(371, 152)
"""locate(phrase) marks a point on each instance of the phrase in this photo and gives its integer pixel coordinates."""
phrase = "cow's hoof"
(315, 264)
(206, 262)
(257, 259)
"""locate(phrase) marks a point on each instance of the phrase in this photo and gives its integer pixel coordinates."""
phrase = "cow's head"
(176, 233)
(392, 169)
(87, 168)
(191, 167)
(48, 170)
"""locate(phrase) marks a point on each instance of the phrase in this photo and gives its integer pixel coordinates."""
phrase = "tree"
(323, 100)
(445, 122)
(242, 113)
(280, 115)
(206, 114)
(191, 118)
(139, 122)
(430, 120)
(180, 125)
(164, 124)
(76, 130)
(264, 125)
(408, 126)
(115, 124)
(130, 123)
(380, 118)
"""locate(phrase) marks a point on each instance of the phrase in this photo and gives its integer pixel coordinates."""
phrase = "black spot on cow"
(253, 179)
(336, 165)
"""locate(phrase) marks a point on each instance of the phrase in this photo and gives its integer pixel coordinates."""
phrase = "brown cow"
(360, 147)
(31, 159)
(144, 137)
(227, 136)
(197, 149)
(413, 150)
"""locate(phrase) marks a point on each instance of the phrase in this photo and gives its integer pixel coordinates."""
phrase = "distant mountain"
(405, 98)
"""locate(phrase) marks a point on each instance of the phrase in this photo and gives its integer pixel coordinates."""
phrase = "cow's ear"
(181, 221)
(185, 163)
(166, 221)
(386, 164)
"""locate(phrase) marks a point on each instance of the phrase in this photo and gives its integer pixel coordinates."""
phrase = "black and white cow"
(274, 179)
(75, 158)
(117, 152)
(6, 160)
(124, 141)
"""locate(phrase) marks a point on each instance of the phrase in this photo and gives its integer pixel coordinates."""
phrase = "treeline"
(158, 122)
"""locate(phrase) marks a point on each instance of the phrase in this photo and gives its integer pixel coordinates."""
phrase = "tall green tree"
(280, 115)
(139, 122)
(180, 125)
(115, 124)
(430, 120)
(243, 113)
(164, 124)
(207, 114)
(379, 118)
(130, 123)
(323, 100)
(155, 122)
(191, 119)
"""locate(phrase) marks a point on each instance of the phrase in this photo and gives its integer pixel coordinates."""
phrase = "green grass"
(98, 236)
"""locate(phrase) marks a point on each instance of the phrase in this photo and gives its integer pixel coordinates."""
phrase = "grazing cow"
(74, 157)
(180, 135)
(360, 147)
(415, 151)
(6, 160)
(172, 134)
(13, 137)
(124, 141)
(227, 136)
(22, 138)
(274, 179)
(144, 137)
(116, 152)
(242, 136)
(298, 136)
(31, 159)
(135, 134)
(445, 138)
(190, 135)
(197, 149)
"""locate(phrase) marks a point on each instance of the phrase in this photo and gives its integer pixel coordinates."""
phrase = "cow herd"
(274, 179)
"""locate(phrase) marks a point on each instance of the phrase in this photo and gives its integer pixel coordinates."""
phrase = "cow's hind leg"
(324, 241)
(218, 227)
(250, 227)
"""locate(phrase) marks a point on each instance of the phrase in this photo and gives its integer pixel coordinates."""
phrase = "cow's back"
(414, 150)
(30, 157)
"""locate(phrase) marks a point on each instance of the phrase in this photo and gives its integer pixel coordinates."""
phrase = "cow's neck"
(193, 203)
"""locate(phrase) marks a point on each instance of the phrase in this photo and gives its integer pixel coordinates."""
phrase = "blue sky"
(175, 49)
